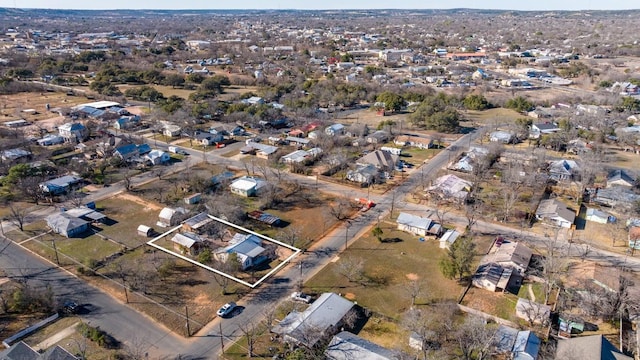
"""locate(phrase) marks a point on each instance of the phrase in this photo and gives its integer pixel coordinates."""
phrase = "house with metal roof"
(67, 225)
(418, 225)
(324, 318)
(197, 223)
(522, 345)
(248, 249)
(620, 177)
(60, 185)
(187, 243)
(73, 132)
(247, 186)
(348, 346)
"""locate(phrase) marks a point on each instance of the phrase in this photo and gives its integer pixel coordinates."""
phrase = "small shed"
(193, 199)
(144, 230)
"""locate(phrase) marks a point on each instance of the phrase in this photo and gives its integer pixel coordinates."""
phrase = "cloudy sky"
(327, 4)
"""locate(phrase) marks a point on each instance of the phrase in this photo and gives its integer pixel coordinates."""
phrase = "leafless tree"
(414, 288)
(474, 338)
(18, 215)
(351, 268)
(340, 209)
(289, 235)
(250, 330)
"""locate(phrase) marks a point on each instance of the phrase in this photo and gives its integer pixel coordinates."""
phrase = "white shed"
(144, 230)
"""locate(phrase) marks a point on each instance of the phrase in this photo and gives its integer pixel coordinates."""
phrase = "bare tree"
(474, 338)
(289, 235)
(351, 268)
(340, 209)
(414, 288)
(250, 331)
(17, 215)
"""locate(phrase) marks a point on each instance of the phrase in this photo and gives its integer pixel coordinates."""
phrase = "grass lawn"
(502, 305)
(492, 116)
(127, 215)
(71, 251)
(384, 291)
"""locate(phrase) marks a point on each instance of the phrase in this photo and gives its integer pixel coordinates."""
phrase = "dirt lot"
(13, 107)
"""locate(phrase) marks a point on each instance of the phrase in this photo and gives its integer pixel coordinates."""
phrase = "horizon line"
(317, 9)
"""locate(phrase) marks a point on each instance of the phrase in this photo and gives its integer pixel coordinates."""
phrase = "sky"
(327, 4)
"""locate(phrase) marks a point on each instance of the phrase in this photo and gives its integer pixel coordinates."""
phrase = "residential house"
(491, 276)
(555, 212)
(171, 217)
(197, 223)
(383, 160)
(521, 345)
(207, 138)
(448, 238)
(532, 311)
(417, 225)
(378, 137)
(14, 154)
(67, 225)
(450, 187)
(348, 346)
(50, 139)
(597, 216)
(157, 157)
(262, 151)
(469, 159)
(132, 152)
(363, 174)
(248, 249)
(357, 130)
(593, 347)
(60, 185)
(325, 317)
(615, 197)
(334, 130)
(297, 141)
(620, 177)
(87, 214)
(505, 137)
(171, 130)
(300, 156)
(127, 152)
(73, 132)
(563, 170)
(126, 122)
(414, 141)
(247, 186)
(540, 129)
(578, 147)
(22, 351)
(187, 243)
(513, 255)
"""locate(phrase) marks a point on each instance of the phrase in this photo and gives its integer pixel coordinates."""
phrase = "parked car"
(70, 307)
(300, 296)
(226, 309)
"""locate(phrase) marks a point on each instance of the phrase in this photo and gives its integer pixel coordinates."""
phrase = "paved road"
(120, 321)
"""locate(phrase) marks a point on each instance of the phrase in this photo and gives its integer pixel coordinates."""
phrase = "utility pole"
(346, 234)
(221, 339)
(186, 311)
(126, 294)
(55, 249)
